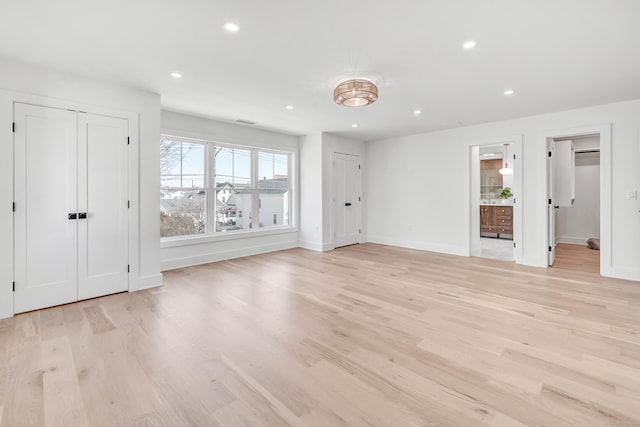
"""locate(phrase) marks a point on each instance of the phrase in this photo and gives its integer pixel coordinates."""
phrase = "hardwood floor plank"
(62, 400)
(366, 335)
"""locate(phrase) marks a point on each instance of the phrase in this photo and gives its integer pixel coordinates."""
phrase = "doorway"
(71, 228)
(346, 200)
(574, 194)
(496, 169)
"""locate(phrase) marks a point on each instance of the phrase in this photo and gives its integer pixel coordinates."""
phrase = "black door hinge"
(358, 166)
(514, 200)
(359, 231)
(549, 248)
(359, 199)
(128, 141)
(514, 157)
(13, 206)
(128, 268)
(549, 153)
(514, 244)
(13, 127)
(549, 201)
(128, 204)
(14, 286)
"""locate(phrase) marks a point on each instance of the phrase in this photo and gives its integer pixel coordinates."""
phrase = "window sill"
(171, 242)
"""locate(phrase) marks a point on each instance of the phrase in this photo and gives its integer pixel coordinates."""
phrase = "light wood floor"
(364, 335)
(577, 258)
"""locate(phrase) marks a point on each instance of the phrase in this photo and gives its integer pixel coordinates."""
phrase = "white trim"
(147, 282)
(172, 242)
(424, 246)
(223, 255)
(572, 240)
(604, 131)
(312, 246)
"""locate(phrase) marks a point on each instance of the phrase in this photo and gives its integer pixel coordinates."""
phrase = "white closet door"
(102, 196)
(45, 192)
(346, 187)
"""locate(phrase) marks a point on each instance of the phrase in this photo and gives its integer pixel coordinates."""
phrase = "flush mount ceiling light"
(506, 170)
(355, 93)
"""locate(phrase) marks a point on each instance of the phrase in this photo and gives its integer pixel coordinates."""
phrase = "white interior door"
(45, 193)
(346, 210)
(103, 225)
(551, 214)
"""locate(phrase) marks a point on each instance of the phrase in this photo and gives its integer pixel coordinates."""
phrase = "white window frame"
(210, 190)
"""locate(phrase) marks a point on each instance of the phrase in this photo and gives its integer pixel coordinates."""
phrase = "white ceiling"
(556, 55)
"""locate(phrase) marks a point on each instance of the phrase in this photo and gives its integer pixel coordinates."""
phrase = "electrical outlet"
(632, 195)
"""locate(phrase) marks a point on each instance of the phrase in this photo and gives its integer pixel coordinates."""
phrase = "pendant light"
(506, 170)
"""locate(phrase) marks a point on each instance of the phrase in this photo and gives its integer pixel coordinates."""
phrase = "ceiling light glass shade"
(506, 170)
(355, 93)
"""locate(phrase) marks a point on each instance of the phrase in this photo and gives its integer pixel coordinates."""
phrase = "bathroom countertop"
(496, 204)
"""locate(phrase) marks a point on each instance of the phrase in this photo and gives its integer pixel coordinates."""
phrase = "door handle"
(82, 215)
(556, 207)
(347, 204)
(72, 215)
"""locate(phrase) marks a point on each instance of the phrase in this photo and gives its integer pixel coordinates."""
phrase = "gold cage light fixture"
(355, 93)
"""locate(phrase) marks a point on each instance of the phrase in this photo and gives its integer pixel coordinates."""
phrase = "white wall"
(425, 171)
(311, 191)
(178, 254)
(579, 222)
(33, 81)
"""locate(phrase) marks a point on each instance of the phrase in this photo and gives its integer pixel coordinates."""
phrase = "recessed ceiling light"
(469, 45)
(417, 112)
(355, 125)
(230, 26)
(289, 107)
(509, 92)
(176, 75)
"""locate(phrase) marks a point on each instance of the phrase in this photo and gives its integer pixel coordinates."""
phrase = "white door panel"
(69, 163)
(346, 210)
(102, 195)
(45, 193)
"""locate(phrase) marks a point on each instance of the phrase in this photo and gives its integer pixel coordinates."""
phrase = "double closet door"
(71, 209)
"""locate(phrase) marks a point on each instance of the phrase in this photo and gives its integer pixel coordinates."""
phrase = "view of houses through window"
(209, 188)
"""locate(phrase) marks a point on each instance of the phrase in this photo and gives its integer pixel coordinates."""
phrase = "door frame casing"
(332, 196)
(604, 131)
(7, 258)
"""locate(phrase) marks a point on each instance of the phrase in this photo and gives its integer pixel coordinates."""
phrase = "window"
(182, 188)
(209, 188)
(273, 188)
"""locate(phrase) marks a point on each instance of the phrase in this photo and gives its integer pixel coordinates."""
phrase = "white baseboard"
(423, 246)
(572, 240)
(223, 255)
(313, 246)
(147, 282)
(623, 273)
